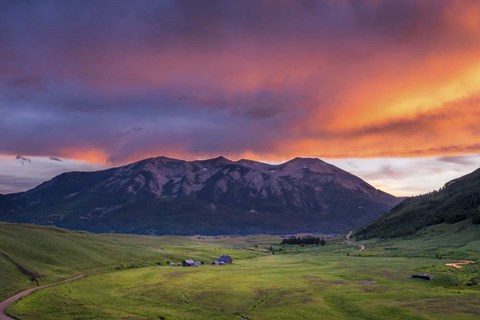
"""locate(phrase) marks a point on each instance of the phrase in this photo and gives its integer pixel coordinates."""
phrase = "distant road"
(360, 247)
(5, 303)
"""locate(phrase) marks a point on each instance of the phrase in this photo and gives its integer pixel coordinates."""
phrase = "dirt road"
(360, 247)
(5, 303)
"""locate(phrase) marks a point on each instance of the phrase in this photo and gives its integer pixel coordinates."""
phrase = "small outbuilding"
(423, 276)
(223, 260)
(188, 263)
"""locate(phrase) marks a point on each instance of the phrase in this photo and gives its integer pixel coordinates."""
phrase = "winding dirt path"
(5, 303)
(360, 247)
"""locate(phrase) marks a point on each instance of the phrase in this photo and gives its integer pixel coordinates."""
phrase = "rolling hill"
(458, 200)
(215, 196)
(53, 254)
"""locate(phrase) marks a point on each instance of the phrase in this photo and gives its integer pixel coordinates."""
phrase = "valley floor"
(298, 286)
(312, 282)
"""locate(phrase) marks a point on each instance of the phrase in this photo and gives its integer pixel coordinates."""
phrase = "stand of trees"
(304, 240)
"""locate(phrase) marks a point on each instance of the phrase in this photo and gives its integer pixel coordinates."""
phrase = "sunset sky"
(388, 90)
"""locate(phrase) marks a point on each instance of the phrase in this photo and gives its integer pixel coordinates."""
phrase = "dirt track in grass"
(5, 303)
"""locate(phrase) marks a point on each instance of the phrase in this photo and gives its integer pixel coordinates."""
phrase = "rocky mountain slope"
(458, 200)
(215, 196)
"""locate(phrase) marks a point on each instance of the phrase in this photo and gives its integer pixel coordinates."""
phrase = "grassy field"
(301, 286)
(131, 281)
(56, 254)
(448, 241)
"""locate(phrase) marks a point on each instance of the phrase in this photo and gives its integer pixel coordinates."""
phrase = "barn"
(423, 276)
(188, 263)
(223, 260)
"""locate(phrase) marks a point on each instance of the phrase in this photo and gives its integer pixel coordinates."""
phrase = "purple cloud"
(275, 79)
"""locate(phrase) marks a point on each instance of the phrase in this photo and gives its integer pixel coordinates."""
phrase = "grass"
(56, 253)
(445, 241)
(127, 277)
(301, 286)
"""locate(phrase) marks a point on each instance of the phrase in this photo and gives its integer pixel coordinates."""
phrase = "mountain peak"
(301, 160)
(217, 160)
(221, 158)
(156, 160)
(310, 164)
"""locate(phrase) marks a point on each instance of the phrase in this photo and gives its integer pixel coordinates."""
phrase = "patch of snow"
(101, 211)
(254, 179)
(140, 180)
(264, 193)
(71, 195)
(131, 190)
(235, 175)
(222, 185)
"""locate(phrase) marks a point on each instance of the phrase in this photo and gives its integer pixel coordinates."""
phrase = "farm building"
(423, 276)
(189, 263)
(223, 260)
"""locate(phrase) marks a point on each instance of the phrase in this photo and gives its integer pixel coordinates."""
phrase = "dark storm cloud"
(23, 159)
(130, 131)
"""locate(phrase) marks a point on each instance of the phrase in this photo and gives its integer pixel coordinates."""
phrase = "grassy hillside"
(460, 240)
(458, 200)
(55, 253)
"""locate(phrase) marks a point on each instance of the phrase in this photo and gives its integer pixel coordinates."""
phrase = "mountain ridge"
(457, 200)
(162, 195)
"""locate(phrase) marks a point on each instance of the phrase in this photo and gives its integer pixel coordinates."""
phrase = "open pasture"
(281, 286)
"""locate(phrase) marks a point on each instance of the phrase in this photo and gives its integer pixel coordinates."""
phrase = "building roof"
(225, 258)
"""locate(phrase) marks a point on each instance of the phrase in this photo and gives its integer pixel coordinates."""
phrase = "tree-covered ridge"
(457, 200)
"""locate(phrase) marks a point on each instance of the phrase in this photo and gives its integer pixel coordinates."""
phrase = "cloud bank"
(115, 81)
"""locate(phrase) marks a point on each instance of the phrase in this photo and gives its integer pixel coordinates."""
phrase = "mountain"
(458, 200)
(214, 196)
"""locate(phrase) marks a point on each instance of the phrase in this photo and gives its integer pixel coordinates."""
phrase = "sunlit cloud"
(410, 176)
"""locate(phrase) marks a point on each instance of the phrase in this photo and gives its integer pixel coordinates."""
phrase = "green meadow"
(55, 254)
(130, 279)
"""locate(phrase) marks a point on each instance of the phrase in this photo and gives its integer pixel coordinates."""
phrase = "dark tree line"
(304, 240)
